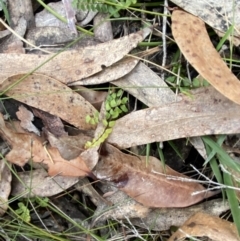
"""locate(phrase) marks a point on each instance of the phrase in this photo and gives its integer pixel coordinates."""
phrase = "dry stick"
(164, 36)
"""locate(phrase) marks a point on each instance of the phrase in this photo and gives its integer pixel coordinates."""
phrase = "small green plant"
(115, 105)
(111, 6)
(23, 212)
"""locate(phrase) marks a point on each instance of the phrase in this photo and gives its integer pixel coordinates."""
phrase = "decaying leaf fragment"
(5, 186)
(26, 147)
(205, 112)
(26, 117)
(50, 95)
(205, 225)
(38, 183)
(148, 183)
(193, 40)
(70, 66)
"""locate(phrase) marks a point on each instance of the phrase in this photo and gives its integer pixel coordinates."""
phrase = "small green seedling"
(115, 106)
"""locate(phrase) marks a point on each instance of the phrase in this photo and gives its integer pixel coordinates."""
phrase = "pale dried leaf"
(148, 183)
(50, 95)
(72, 65)
(219, 14)
(5, 186)
(111, 73)
(26, 117)
(137, 83)
(205, 225)
(212, 114)
(38, 183)
(192, 38)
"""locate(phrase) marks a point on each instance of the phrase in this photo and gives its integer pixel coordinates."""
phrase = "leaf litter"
(148, 182)
(71, 65)
(126, 173)
(204, 112)
(192, 38)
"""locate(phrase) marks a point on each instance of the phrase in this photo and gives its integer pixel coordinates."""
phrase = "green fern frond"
(111, 6)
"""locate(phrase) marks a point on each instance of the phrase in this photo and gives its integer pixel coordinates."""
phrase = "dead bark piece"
(70, 66)
(205, 225)
(50, 95)
(192, 38)
(164, 218)
(148, 183)
(212, 114)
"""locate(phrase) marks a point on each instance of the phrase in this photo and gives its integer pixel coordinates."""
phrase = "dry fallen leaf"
(5, 186)
(50, 95)
(158, 219)
(26, 147)
(153, 92)
(72, 65)
(205, 225)
(212, 114)
(51, 123)
(147, 183)
(96, 98)
(69, 147)
(192, 38)
(116, 71)
(38, 183)
(26, 117)
(219, 14)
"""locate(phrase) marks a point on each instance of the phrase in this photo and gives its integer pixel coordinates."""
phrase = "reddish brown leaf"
(192, 38)
(26, 147)
(147, 182)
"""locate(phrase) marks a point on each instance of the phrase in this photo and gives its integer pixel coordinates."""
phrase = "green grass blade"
(226, 159)
(233, 201)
